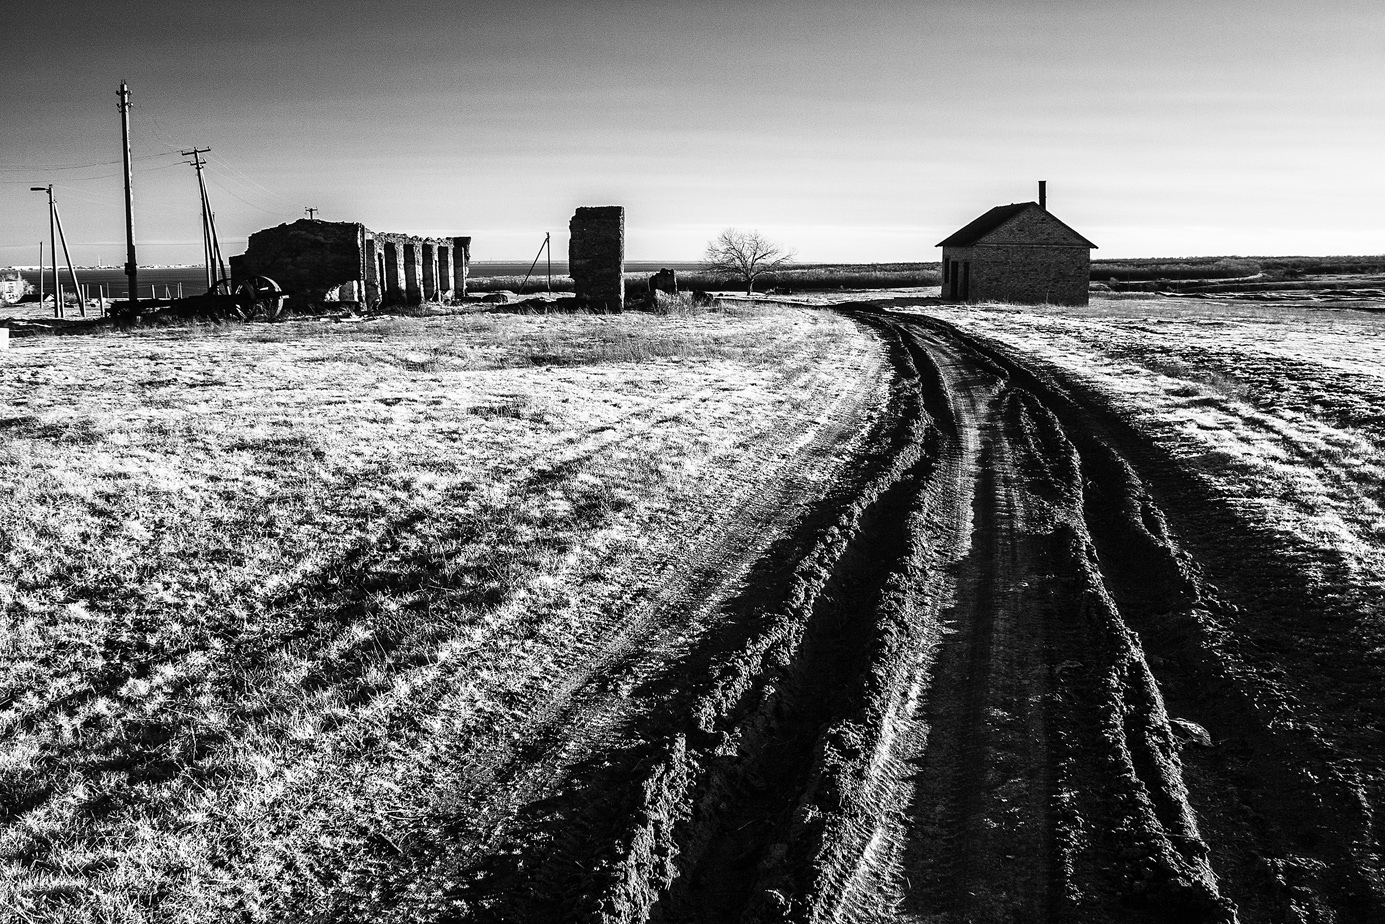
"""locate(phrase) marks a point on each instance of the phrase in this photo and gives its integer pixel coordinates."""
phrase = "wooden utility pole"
(311, 212)
(53, 250)
(71, 270)
(53, 256)
(216, 241)
(209, 253)
(542, 247)
(131, 270)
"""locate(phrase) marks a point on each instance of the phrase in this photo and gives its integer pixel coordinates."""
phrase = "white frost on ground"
(1279, 407)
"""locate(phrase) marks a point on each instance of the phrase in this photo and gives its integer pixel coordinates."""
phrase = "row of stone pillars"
(410, 270)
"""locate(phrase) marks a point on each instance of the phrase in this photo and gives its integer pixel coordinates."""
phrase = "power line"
(232, 194)
(221, 159)
(73, 192)
(88, 179)
(245, 187)
(86, 195)
(157, 127)
(99, 163)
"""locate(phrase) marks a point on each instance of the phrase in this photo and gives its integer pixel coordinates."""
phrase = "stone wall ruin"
(665, 280)
(343, 261)
(596, 257)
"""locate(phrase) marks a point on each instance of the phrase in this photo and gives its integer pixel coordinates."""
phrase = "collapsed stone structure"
(1017, 253)
(344, 261)
(665, 280)
(596, 257)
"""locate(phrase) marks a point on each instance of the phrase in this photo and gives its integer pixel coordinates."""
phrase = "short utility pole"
(310, 212)
(55, 219)
(52, 251)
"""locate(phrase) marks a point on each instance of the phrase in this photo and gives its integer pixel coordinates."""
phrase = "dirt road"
(1007, 670)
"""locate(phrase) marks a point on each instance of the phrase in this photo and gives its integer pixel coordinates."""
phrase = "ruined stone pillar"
(374, 264)
(394, 272)
(461, 262)
(413, 272)
(445, 270)
(596, 257)
(430, 270)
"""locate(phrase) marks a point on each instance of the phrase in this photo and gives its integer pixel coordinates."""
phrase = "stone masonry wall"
(596, 257)
(461, 265)
(1032, 226)
(308, 258)
(1026, 274)
(665, 280)
(321, 261)
(412, 268)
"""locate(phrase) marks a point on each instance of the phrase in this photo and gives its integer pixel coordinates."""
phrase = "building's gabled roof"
(997, 217)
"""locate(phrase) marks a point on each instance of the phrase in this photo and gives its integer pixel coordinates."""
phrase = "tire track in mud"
(838, 752)
(1289, 811)
(1005, 749)
(859, 860)
(930, 700)
(1288, 834)
(983, 775)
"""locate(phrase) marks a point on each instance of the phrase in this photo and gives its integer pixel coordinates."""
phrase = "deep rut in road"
(970, 685)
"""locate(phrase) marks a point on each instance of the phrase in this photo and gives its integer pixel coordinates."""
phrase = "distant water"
(194, 278)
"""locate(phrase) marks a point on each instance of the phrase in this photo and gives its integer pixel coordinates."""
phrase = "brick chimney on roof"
(1043, 195)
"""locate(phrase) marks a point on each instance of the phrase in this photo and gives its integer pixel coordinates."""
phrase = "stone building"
(1017, 253)
(12, 287)
(344, 261)
(596, 257)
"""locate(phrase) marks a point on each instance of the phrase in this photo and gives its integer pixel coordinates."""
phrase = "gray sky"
(855, 132)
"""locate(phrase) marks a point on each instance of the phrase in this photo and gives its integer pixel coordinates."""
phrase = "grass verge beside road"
(263, 587)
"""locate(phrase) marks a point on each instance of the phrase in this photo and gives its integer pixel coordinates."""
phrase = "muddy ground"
(1018, 666)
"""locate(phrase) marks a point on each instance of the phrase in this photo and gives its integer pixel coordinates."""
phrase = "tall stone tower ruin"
(596, 257)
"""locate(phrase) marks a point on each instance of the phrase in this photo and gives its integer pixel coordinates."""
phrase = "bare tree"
(746, 255)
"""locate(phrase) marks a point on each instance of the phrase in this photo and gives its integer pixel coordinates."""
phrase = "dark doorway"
(392, 293)
(966, 280)
(952, 280)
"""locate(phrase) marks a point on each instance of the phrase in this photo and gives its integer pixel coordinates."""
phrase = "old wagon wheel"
(224, 298)
(260, 296)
